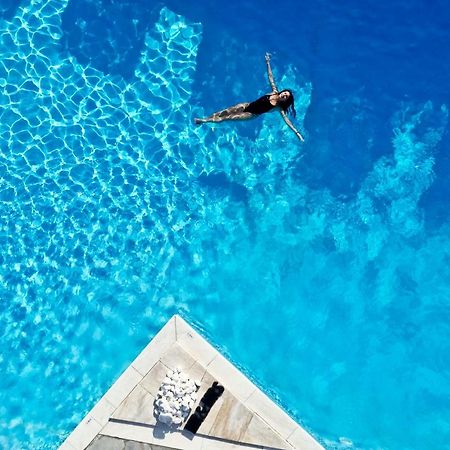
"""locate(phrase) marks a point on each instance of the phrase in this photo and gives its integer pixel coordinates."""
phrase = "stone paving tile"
(302, 440)
(257, 429)
(271, 413)
(66, 445)
(102, 442)
(232, 419)
(109, 443)
(199, 348)
(122, 387)
(127, 432)
(84, 433)
(152, 381)
(102, 411)
(137, 407)
(196, 372)
(242, 418)
(177, 358)
(233, 379)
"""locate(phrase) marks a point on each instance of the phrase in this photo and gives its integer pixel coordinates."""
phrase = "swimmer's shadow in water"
(222, 185)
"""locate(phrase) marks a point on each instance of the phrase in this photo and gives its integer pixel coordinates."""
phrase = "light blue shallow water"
(320, 269)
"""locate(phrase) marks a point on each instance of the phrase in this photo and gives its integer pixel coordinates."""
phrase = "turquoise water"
(320, 269)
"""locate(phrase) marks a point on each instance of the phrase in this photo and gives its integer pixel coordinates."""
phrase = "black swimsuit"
(260, 106)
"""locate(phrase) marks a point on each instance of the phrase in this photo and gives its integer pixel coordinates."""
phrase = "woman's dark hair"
(288, 105)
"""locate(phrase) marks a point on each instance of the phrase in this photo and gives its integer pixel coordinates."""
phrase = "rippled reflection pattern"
(96, 194)
(117, 212)
(89, 175)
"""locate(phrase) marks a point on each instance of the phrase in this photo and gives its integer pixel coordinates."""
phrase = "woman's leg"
(236, 112)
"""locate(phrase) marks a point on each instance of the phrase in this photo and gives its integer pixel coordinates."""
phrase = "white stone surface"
(257, 428)
(152, 381)
(102, 411)
(200, 349)
(302, 440)
(137, 407)
(177, 357)
(231, 377)
(84, 433)
(66, 445)
(125, 431)
(271, 413)
(142, 434)
(179, 346)
(123, 386)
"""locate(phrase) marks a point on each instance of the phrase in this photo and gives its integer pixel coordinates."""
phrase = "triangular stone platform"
(242, 418)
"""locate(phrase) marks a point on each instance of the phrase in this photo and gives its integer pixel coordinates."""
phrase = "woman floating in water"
(281, 100)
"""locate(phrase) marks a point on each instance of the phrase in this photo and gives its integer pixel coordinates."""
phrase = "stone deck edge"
(177, 330)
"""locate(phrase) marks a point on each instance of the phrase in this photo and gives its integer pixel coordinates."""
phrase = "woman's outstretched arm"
(270, 74)
(289, 124)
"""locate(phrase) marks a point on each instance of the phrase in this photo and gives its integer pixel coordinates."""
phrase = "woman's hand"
(270, 74)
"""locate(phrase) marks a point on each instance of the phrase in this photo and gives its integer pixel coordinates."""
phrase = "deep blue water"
(329, 261)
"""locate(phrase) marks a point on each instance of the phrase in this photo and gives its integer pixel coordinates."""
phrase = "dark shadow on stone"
(202, 410)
